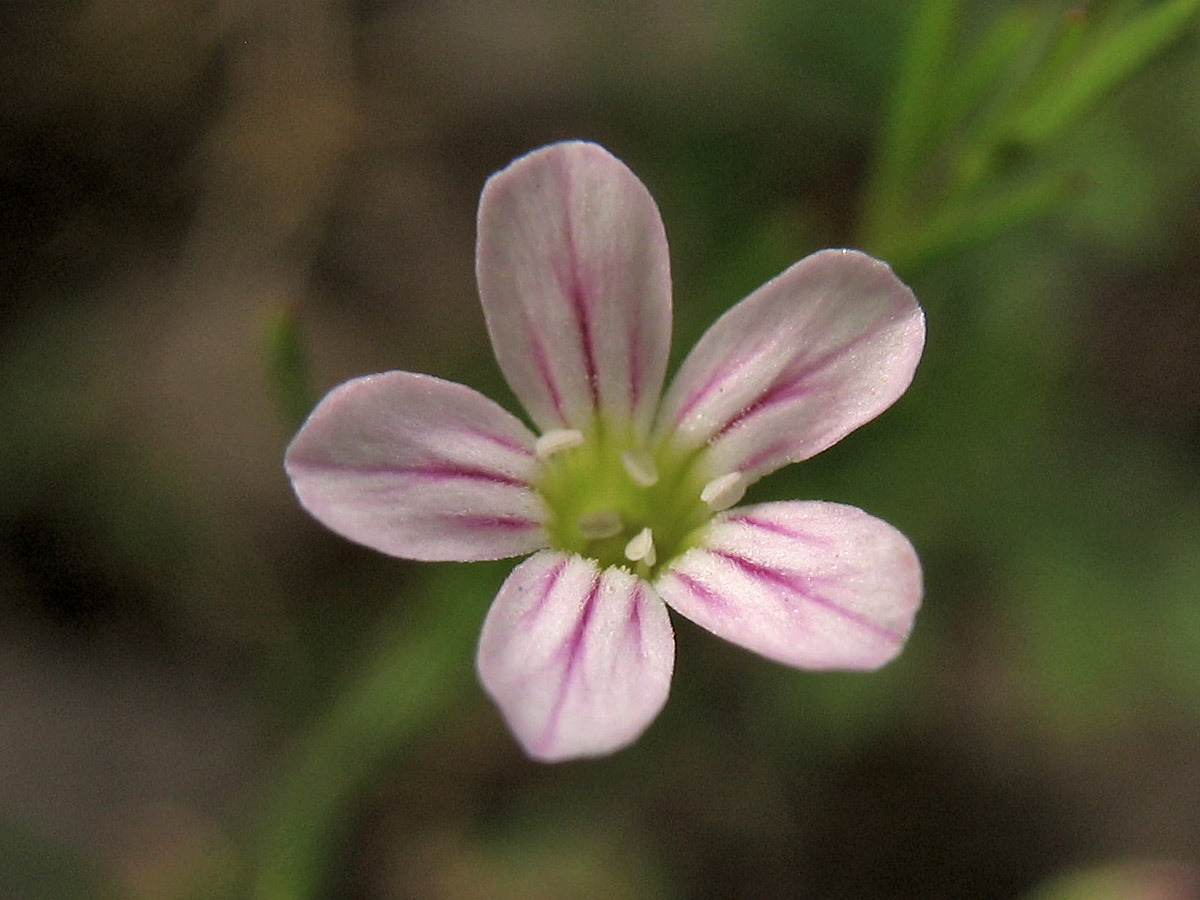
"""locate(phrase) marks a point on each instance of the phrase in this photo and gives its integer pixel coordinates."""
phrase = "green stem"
(1109, 64)
(961, 225)
(288, 365)
(395, 698)
(914, 109)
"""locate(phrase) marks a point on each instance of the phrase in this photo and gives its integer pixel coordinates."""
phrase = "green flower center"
(623, 502)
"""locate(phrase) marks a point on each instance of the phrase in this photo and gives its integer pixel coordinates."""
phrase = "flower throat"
(622, 502)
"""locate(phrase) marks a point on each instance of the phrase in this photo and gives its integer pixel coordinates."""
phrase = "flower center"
(623, 502)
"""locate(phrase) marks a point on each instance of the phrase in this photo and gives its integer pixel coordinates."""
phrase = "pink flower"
(625, 499)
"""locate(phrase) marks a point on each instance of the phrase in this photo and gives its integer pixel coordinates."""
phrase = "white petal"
(579, 660)
(575, 281)
(799, 364)
(813, 585)
(420, 468)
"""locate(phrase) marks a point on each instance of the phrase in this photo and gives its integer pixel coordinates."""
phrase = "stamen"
(723, 492)
(640, 466)
(641, 547)
(595, 526)
(555, 440)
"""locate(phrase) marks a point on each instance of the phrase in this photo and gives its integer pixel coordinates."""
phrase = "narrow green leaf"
(917, 99)
(971, 222)
(288, 361)
(988, 63)
(1101, 70)
(1064, 47)
(411, 679)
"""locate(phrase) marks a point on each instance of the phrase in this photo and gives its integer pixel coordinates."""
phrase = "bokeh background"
(211, 211)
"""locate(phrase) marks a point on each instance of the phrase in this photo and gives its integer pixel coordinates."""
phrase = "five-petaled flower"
(625, 499)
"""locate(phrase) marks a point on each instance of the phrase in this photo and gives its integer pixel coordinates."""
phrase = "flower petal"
(799, 364)
(579, 660)
(420, 468)
(813, 585)
(575, 282)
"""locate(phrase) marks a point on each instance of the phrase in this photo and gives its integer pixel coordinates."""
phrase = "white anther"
(556, 440)
(723, 492)
(640, 466)
(641, 547)
(595, 526)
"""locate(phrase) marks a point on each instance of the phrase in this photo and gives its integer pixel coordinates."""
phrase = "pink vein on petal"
(453, 473)
(635, 611)
(542, 360)
(571, 650)
(770, 452)
(777, 528)
(548, 581)
(579, 296)
(433, 472)
(777, 394)
(700, 589)
(572, 284)
(501, 523)
(790, 387)
(635, 363)
(801, 585)
(793, 385)
(499, 440)
(694, 399)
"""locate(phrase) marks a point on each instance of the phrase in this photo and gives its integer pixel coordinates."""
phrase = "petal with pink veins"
(419, 468)
(578, 659)
(804, 360)
(575, 281)
(810, 584)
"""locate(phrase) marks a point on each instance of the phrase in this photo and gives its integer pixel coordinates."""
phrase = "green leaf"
(288, 362)
(974, 220)
(386, 708)
(914, 113)
(1100, 71)
(986, 67)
